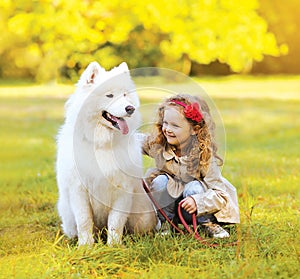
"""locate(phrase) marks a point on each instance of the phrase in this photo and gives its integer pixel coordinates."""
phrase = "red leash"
(186, 226)
(159, 208)
(195, 233)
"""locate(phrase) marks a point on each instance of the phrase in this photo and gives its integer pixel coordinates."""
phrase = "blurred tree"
(49, 38)
(284, 22)
(204, 31)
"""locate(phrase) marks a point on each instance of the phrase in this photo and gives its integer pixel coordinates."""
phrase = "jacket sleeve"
(215, 196)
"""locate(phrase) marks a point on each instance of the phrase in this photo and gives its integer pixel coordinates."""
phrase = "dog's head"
(113, 99)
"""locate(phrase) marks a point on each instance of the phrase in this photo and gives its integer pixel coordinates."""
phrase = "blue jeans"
(170, 204)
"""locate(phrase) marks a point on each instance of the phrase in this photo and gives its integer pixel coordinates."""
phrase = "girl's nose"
(168, 129)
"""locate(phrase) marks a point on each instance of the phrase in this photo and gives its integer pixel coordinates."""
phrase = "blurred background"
(54, 40)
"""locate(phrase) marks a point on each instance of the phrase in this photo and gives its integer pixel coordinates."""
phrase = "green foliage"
(261, 118)
(47, 39)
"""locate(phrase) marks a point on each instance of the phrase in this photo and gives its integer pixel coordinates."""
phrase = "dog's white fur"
(98, 165)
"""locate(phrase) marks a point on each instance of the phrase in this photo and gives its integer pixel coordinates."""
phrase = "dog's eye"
(110, 95)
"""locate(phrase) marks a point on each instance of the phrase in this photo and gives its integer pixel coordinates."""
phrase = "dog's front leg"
(85, 229)
(115, 226)
(83, 216)
(117, 218)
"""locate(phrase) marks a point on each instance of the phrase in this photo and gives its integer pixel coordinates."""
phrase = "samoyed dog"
(99, 159)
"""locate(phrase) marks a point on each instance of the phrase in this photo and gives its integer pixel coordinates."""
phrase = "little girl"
(184, 150)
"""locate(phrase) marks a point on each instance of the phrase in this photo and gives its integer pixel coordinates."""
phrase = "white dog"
(99, 160)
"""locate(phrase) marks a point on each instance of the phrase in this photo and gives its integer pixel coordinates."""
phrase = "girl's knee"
(192, 188)
(159, 183)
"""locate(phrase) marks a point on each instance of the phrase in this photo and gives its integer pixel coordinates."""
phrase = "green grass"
(262, 121)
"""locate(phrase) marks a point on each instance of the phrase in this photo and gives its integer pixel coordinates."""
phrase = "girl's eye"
(174, 125)
(109, 95)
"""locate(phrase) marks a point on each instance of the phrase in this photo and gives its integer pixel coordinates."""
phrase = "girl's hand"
(189, 205)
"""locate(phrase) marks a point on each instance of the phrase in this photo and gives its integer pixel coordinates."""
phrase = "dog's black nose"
(130, 109)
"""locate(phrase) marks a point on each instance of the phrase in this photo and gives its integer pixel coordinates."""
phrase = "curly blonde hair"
(204, 140)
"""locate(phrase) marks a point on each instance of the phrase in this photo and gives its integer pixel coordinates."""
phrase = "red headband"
(190, 111)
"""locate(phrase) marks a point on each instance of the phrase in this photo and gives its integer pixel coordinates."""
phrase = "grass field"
(262, 121)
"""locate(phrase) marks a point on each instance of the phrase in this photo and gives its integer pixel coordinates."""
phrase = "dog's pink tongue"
(121, 123)
(123, 126)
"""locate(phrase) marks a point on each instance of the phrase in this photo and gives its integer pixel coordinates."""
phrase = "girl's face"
(176, 128)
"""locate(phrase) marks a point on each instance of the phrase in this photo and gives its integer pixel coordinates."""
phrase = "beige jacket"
(220, 197)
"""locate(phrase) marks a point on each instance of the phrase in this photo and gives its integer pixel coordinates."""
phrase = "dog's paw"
(85, 239)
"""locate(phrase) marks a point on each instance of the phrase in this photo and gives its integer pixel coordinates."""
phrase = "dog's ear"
(123, 67)
(119, 70)
(93, 70)
(90, 74)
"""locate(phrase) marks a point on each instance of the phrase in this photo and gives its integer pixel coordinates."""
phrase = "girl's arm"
(210, 202)
(220, 196)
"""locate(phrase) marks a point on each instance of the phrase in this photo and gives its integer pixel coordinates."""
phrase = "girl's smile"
(176, 128)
